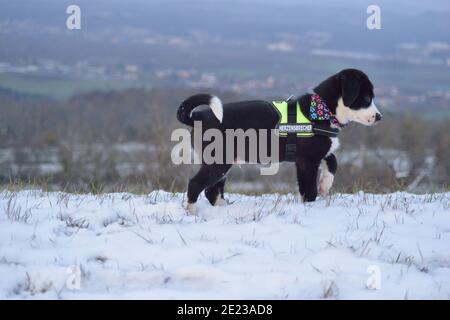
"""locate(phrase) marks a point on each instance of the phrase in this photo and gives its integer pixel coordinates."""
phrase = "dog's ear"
(350, 84)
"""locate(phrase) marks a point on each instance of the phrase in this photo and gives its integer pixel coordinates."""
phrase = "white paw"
(220, 202)
(192, 208)
(325, 183)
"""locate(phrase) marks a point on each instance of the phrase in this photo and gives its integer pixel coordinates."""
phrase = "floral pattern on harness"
(318, 110)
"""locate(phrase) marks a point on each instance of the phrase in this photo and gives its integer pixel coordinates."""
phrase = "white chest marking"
(334, 145)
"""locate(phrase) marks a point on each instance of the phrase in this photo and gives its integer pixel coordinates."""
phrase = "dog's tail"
(184, 113)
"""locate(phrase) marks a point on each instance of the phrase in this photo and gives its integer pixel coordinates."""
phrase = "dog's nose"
(378, 116)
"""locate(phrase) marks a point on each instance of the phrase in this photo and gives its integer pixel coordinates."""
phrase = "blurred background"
(92, 110)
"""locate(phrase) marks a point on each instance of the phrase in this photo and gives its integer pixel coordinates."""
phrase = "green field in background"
(56, 88)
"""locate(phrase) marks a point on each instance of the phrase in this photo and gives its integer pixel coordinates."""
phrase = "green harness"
(301, 125)
(294, 124)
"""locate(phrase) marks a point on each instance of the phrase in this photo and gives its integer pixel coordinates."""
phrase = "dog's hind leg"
(329, 168)
(207, 176)
(215, 193)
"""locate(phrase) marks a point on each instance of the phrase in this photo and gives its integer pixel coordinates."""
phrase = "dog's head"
(350, 92)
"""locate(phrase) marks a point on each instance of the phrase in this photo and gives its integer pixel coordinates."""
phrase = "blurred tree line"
(120, 140)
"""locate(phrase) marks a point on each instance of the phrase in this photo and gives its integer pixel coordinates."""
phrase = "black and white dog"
(348, 95)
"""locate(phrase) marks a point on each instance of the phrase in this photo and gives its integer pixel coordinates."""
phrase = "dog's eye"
(367, 99)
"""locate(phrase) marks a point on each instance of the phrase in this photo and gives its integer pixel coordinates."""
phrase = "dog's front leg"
(307, 171)
(329, 168)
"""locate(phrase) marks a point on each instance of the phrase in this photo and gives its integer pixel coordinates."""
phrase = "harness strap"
(291, 139)
(325, 131)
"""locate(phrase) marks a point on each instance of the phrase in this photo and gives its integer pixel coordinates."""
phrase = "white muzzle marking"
(365, 116)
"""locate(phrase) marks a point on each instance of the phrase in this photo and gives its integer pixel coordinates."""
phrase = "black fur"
(186, 107)
(331, 163)
(352, 85)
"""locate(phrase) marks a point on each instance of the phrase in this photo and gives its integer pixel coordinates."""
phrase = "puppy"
(344, 97)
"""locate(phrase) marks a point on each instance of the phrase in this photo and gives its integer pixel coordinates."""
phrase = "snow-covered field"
(57, 245)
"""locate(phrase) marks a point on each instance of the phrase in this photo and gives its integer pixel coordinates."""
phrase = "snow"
(258, 247)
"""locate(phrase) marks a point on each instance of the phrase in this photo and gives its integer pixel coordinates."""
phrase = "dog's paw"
(325, 183)
(220, 202)
(192, 209)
